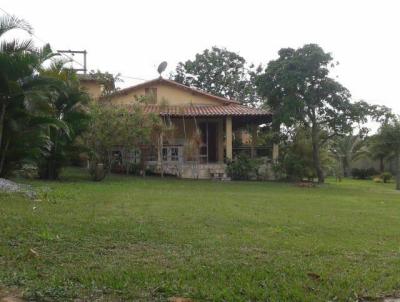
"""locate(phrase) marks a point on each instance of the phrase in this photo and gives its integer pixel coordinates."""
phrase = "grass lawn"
(149, 239)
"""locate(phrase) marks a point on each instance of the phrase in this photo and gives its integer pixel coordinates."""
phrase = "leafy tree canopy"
(113, 127)
(220, 72)
(298, 89)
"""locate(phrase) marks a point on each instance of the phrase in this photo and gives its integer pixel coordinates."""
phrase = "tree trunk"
(398, 172)
(160, 154)
(52, 169)
(51, 161)
(143, 157)
(381, 164)
(109, 160)
(2, 118)
(316, 155)
(126, 161)
(49, 167)
(3, 156)
(346, 169)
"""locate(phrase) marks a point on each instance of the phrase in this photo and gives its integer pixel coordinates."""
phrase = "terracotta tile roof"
(206, 110)
(174, 84)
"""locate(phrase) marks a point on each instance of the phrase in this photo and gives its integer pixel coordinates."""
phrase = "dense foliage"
(363, 173)
(347, 149)
(69, 105)
(386, 176)
(220, 72)
(26, 99)
(389, 141)
(117, 128)
(296, 161)
(299, 90)
(241, 168)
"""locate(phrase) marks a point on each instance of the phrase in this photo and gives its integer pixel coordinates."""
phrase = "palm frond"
(8, 23)
(46, 53)
(18, 65)
(13, 46)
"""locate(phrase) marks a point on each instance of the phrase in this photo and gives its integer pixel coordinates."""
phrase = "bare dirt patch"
(10, 295)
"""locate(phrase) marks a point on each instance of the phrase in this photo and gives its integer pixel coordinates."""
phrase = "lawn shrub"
(298, 168)
(241, 168)
(386, 177)
(29, 171)
(363, 173)
(133, 168)
(377, 179)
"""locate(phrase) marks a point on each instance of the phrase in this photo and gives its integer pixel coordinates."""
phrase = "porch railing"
(259, 151)
(175, 154)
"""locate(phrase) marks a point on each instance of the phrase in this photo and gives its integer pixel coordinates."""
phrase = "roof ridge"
(212, 110)
(171, 82)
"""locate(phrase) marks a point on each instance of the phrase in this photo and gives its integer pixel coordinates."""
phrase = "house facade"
(204, 127)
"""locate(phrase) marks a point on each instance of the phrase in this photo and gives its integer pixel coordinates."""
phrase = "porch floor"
(193, 170)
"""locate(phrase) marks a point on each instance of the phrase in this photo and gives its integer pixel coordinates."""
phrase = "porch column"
(275, 152)
(220, 138)
(228, 132)
(253, 140)
(159, 155)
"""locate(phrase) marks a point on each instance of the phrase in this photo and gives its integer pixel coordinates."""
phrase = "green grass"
(149, 239)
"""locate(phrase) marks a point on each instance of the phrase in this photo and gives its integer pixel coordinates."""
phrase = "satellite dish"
(161, 68)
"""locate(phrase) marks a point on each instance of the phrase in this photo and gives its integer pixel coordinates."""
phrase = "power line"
(133, 78)
(45, 42)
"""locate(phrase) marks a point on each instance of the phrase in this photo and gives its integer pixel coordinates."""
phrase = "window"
(152, 154)
(136, 156)
(165, 154)
(151, 95)
(174, 154)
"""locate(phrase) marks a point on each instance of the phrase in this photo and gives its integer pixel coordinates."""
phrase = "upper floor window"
(151, 95)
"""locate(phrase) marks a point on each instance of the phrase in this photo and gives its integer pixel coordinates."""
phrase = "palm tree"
(69, 106)
(377, 151)
(348, 149)
(389, 140)
(25, 97)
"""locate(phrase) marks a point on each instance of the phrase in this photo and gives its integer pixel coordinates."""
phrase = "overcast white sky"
(133, 37)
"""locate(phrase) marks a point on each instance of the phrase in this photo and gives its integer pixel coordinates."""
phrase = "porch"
(200, 147)
(200, 142)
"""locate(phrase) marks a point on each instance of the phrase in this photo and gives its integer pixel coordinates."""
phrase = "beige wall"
(94, 89)
(171, 95)
(174, 96)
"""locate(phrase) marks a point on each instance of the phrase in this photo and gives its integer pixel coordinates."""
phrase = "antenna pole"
(84, 61)
(73, 52)
(161, 68)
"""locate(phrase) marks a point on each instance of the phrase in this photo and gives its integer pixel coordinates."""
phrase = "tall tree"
(220, 72)
(25, 98)
(298, 89)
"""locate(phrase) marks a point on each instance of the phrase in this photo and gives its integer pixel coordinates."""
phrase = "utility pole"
(80, 52)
